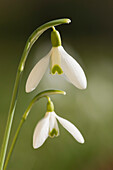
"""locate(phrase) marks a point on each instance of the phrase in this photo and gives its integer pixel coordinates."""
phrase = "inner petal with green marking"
(53, 133)
(55, 61)
(57, 68)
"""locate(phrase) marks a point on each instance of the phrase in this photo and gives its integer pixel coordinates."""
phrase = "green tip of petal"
(53, 133)
(57, 68)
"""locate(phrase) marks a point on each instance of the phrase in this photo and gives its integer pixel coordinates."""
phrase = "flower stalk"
(31, 40)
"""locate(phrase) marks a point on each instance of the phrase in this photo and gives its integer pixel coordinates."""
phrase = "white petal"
(71, 129)
(72, 70)
(41, 132)
(53, 123)
(37, 73)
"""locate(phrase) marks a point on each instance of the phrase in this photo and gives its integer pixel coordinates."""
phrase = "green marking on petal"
(57, 68)
(53, 133)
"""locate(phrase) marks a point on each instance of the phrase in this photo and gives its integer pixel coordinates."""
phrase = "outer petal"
(41, 132)
(37, 73)
(71, 129)
(72, 70)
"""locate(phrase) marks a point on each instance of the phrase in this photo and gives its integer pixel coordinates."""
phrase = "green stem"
(9, 122)
(13, 143)
(31, 40)
(25, 115)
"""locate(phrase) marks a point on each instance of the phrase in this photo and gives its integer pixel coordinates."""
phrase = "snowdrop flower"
(60, 62)
(48, 126)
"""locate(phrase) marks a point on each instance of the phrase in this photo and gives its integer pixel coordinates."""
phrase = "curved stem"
(13, 143)
(25, 115)
(9, 121)
(31, 40)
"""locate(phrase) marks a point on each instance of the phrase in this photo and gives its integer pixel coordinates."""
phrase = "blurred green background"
(89, 39)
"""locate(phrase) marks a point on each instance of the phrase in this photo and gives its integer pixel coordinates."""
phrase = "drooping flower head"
(60, 62)
(48, 126)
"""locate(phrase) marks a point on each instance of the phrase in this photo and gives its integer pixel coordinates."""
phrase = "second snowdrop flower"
(60, 62)
(48, 126)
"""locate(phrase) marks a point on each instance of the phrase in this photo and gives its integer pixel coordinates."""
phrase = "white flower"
(48, 127)
(61, 62)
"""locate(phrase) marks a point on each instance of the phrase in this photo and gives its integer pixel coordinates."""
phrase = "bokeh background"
(89, 39)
